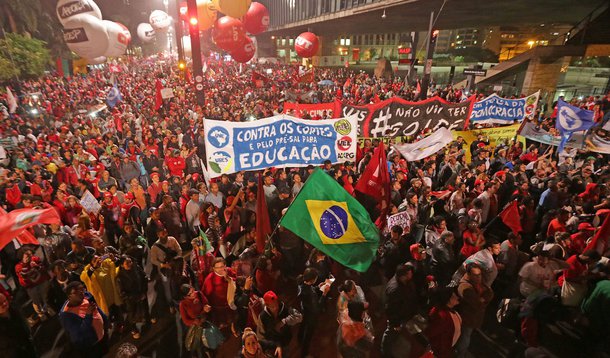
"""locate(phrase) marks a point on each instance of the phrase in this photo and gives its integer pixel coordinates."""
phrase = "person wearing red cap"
(130, 211)
(276, 321)
(578, 240)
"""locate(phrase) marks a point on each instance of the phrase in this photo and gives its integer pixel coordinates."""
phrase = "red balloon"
(256, 19)
(228, 33)
(244, 52)
(306, 45)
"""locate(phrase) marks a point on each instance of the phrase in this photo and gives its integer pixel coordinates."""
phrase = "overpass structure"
(290, 17)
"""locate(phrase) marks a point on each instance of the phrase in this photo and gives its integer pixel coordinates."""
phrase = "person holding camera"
(34, 278)
(84, 322)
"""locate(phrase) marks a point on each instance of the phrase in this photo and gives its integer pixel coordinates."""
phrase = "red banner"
(315, 111)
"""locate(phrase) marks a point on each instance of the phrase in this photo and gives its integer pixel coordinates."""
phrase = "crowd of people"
(163, 242)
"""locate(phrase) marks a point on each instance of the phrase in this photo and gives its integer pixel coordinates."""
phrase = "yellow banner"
(495, 136)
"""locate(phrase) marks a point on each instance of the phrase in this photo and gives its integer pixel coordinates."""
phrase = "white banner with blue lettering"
(279, 141)
(497, 110)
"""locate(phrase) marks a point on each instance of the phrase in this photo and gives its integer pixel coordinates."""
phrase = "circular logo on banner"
(199, 87)
(198, 79)
(343, 127)
(345, 143)
(218, 137)
(529, 110)
(568, 119)
(333, 222)
(219, 162)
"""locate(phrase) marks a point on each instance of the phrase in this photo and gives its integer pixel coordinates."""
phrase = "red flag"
(13, 224)
(599, 242)
(263, 226)
(158, 97)
(258, 79)
(375, 181)
(510, 216)
(308, 76)
(440, 194)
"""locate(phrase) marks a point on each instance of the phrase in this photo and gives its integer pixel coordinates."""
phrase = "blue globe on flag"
(334, 222)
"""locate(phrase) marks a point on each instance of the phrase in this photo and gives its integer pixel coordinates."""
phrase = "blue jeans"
(461, 347)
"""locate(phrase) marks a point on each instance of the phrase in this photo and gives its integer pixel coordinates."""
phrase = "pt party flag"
(571, 119)
(511, 218)
(330, 219)
(13, 224)
(425, 147)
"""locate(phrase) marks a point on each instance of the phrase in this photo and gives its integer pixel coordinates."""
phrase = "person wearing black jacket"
(150, 161)
(61, 278)
(312, 299)
(15, 337)
(133, 286)
(276, 320)
(402, 303)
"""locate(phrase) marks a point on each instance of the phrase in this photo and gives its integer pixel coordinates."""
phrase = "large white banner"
(498, 110)
(279, 141)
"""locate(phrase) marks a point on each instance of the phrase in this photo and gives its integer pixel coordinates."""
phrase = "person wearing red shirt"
(579, 239)
(13, 194)
(34, 278)
(154, 188)
(75, 172)
(194, 306)
(176, 164)
(573, 281)
(558, 224)
(216, 287)
(444, 325)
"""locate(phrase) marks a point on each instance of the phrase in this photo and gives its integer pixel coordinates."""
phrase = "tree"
(22, 56)
(21, 15)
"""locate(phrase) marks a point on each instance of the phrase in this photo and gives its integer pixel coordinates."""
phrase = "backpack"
(508, 313)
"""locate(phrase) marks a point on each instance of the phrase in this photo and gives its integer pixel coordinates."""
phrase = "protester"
(474, 295)
(84, 322)
(142, 163)
(15, 336)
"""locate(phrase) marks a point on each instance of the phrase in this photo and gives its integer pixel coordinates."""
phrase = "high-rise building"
(510, 41)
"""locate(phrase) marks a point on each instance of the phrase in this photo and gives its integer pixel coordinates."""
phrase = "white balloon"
(69, 10)
(86, 36)
(159, 20)
(97, 60)
(118, 39)
(146, 33)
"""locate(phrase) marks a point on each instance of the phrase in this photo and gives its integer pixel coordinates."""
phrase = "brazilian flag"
(330, 219)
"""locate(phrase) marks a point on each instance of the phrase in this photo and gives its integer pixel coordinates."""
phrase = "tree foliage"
(22, 56)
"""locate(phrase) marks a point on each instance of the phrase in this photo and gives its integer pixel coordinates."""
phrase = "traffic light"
(182, 65)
